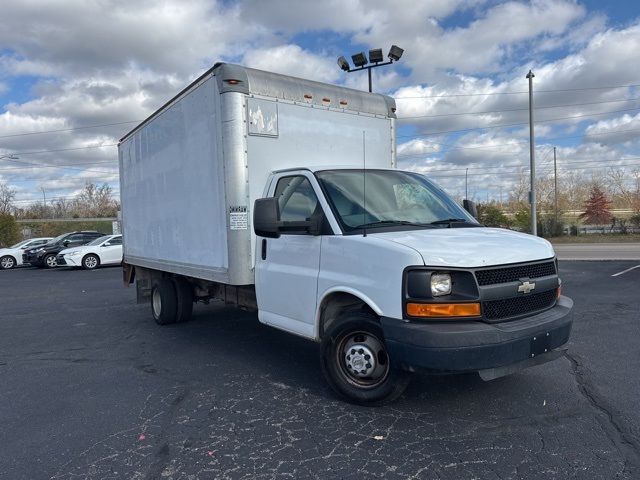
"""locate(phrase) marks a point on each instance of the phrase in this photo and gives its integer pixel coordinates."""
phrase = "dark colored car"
(45, 255)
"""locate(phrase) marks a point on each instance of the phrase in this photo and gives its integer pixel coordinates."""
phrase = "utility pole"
(532, 159)
(555, 185)
(44, 197)
(466, 184)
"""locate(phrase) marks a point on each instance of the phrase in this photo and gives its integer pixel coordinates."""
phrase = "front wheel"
(89, 262)
(50, 261)
(356, 364)
(7, 262)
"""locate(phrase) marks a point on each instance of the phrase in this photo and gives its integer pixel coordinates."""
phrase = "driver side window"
(296, 199)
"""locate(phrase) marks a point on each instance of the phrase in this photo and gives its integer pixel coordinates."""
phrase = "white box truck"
(280, 195)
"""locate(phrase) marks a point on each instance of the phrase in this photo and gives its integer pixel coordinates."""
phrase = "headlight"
(39, 250)
(440, 284)
(73, 254)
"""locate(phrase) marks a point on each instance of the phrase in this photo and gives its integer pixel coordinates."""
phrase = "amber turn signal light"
(558, 292)
(443, 309)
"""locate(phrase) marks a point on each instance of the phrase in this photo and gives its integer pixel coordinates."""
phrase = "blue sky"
(75, 64)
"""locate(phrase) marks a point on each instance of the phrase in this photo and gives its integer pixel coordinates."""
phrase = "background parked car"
(45, 256)
(105, 250)
(11, 257)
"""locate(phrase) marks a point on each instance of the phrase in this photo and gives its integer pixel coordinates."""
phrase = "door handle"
(264, 248)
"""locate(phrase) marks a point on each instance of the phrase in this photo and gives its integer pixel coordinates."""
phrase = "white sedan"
(12, 257)
(105, 250)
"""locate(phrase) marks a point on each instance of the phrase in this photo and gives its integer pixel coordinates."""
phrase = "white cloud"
(115, 61)
(292, 60)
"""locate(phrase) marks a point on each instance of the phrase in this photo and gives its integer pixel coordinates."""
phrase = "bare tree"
(7, 196)
(96, 201)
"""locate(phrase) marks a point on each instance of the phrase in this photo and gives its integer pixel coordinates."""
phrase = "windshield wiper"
(449, 221)
(384, 223)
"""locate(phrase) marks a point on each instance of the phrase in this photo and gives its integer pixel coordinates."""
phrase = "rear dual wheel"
(171, 300)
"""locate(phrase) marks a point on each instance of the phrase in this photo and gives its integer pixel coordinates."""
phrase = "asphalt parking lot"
(90, 387)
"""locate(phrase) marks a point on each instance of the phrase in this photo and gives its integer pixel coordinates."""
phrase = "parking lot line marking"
(625, 271)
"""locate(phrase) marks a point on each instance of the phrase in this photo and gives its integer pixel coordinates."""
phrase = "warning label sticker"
(238, 218)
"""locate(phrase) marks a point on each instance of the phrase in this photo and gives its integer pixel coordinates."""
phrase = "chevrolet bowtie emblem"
(526, 287)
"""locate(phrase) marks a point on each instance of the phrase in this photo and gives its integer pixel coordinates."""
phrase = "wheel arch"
(337, 300)
(93, 254)
(15, 260)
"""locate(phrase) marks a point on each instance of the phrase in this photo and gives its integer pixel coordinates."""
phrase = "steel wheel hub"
(157, 303)
(360, 360)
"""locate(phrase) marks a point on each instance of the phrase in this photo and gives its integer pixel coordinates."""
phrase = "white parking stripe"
(625, 271)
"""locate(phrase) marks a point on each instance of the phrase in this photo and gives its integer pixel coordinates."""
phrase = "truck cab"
(391, 276)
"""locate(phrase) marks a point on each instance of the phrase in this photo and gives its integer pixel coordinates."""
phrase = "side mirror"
(106, 244)
(66, 243)
(470, 207)
(266, 217)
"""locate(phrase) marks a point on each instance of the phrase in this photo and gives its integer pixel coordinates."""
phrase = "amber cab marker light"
(443, 309)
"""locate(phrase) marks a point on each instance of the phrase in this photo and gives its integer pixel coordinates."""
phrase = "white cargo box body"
(190, 173)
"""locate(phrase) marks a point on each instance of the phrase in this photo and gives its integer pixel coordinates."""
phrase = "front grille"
(511, 307)
(513, 274)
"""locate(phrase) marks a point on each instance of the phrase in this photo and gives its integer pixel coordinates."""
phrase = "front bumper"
(32, 259)
(70, 260)
(467, 346)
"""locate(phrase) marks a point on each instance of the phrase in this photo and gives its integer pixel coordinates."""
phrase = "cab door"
(287, 267)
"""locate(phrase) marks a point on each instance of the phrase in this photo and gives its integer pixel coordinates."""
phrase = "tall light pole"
(466, 183)
(375, 60)
(555, 186)
(532, 159)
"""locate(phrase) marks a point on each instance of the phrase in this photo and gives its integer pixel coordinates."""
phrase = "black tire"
(7, 262)
(164, 302)
(49, 261)
(346, 346)
(90, 262)
(184, 293)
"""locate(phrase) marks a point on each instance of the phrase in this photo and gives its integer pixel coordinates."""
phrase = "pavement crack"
(615, 428)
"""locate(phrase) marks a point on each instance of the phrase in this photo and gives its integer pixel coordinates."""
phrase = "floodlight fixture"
(343, 64)
(395, 53)
(376, 59)
(359, 59)
(375, 55)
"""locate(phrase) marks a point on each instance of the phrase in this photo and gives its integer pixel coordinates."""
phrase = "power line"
(513, 174)
(512, 124)
(511, 152)
(66, 149)
(41, 165)
(519, 109)
(61, 197)
(527, 123)
(518, 92)
(69, 129)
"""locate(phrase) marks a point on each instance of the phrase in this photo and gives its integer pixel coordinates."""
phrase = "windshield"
(19, 244)
(58, 238)
(99, 240)
(393, 197)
